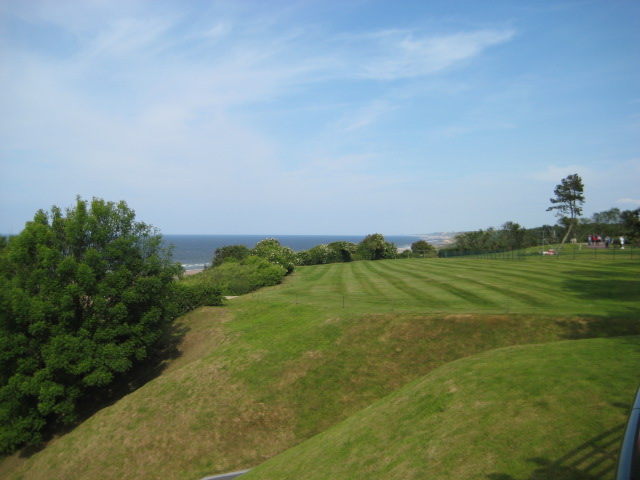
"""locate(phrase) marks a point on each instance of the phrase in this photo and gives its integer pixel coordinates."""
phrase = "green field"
(552, 411)
(324, 351)
(555, 285)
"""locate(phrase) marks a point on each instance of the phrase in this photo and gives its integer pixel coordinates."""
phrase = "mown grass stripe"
(517, 287)
(370, 284)
(513, 287)
(520, 270)
(455, 287)
(400, 279)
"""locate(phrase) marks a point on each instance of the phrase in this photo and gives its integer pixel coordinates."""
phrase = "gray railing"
(629, 459)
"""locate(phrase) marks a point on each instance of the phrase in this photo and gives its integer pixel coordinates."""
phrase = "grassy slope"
(547, 411)
(275, 368)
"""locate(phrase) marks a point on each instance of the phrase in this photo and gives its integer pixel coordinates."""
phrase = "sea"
(195, 252)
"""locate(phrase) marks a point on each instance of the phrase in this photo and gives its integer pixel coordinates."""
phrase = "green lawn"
(275, 368)
(553, 411)
(535, 286)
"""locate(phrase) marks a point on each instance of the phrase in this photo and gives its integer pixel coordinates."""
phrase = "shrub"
(189, 296)
(318, 255)
(423, 249)
(375, 247)
(271, 250)
(231, 252)
(343, 250)
(239, 278)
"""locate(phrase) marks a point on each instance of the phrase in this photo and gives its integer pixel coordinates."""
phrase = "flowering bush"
(270, 249)
(335, 252)
(318, 255)
(375, 247)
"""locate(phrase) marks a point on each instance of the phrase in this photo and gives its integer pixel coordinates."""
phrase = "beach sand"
(193, 272)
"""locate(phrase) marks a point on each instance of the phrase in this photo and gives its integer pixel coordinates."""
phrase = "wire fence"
(568, 252)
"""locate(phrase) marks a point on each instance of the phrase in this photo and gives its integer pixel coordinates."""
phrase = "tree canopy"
(423, 248)
(230, 252)
(568, 201)
(83, 297)
(375, 247)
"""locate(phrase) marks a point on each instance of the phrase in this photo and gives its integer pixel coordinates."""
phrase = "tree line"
(612, 223)
(567, 204)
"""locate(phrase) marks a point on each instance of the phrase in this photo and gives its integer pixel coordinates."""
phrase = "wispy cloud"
(629, 201)
(260, 102)
(406, 54)
(555, 173)
(365, 115)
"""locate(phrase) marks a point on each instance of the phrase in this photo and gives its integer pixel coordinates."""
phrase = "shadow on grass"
(594, 459)
(165, 351)
(623, 295)
(602, 285)
(599, 326)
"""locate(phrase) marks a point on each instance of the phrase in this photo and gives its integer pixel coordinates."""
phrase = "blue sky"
(318, 117)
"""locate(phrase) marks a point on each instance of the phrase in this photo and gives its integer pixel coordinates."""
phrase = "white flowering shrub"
(270, 249)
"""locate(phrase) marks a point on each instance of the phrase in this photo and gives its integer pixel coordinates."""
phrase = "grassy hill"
(552, 411)
(275, 368)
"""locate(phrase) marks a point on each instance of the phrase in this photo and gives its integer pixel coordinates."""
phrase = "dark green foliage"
(612, 223)
(568, 203)
(423, 248)
(343, 250)
(318, 255)
(375, 247)
(608, 217)
(189, 296)
(631, 223)
(231, 252)
(82, 298)
(569, 197)
(511, 236)
(239, 278)
(335, 252)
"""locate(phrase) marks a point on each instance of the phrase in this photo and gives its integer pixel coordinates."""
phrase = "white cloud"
(364, 116)
(405, 54)
(125, 37)
(554, 173)
(217, 31)
(252, 106)
(629, 201)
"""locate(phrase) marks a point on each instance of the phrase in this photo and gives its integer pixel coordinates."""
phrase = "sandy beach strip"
(193, 272)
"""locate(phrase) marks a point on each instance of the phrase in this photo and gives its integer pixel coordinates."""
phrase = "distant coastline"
(195, 252)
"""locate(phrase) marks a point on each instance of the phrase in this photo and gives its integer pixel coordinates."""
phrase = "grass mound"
(526, 412)
(275, 368)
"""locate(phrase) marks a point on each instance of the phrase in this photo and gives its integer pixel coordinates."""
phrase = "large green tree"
(230, 253)
(631, 223)
(84, 295)
(568, 201)
(375, 247)
(423, 248)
